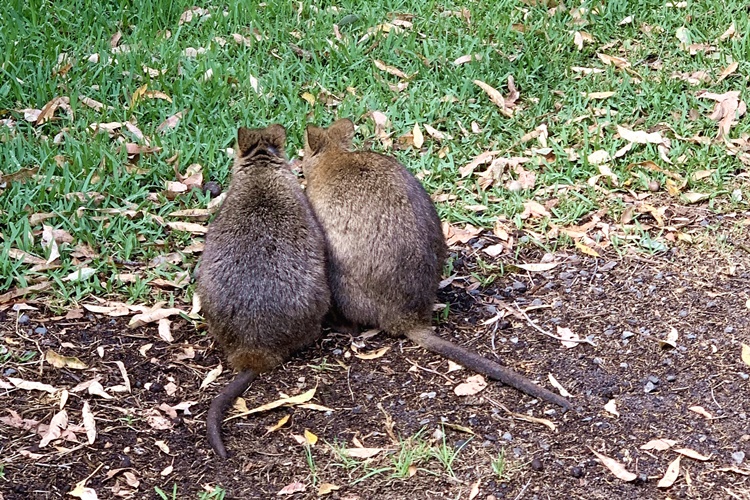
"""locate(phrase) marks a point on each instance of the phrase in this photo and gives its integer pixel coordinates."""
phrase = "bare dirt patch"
(627, 305)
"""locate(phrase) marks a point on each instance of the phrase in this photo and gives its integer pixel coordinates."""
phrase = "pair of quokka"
(363, 243)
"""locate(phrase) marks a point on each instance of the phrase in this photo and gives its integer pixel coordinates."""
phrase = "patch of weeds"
(499, 466)
(164, 496)
(324, 366)
(311, 465)
(447, 454)
(412, 452)
(218, 493)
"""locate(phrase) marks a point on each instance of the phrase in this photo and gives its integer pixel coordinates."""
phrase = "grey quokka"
(386, 247)
(262, 277)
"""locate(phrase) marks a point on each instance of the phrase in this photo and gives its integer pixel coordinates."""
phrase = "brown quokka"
(386, 248)
(262, 277)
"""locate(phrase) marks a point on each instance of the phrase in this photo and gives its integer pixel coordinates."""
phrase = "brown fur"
(386, 247)
(262, 278)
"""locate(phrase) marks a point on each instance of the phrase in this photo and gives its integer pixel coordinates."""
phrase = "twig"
(551, 335)
(523, 490)
(431, 371)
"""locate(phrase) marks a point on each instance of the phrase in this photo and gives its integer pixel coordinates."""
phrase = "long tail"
(473, 361)
(219, 406)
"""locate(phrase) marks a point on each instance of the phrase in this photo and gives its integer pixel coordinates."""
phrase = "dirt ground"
(626, 305)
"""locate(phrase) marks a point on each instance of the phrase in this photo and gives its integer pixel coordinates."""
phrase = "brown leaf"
(49, 109)
(361, 452)
(392, 70)
(673, 471)
(291, 489)
(140, 91)
(617, 62)
(659, 444)
(692, 454)
(728, 71)
(615, 467)
(473, 385)
(91, 103)
(152, 316)
(378, 353)
(532, 208)
(171, 122)
(496, 97)
(58, 423)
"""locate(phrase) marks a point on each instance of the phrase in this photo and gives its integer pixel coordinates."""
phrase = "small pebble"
(23, 319)
(213, 188)
(519, 286)
(671, 378)
(738, 457)
(649, 387)
(729, 329)
(40, 330)
(682, 314)
(654, 379)
(653, 186)
(576, 472)
(428, 395)
(626, 334)
(624, 365)
(744, 376)
(508, 436)
(536, 464)
(156, 387)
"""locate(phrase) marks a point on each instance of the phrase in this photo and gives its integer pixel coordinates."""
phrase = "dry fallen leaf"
(659, 444)
(310, 438)
(294, 400)
(373, 354)
(538, 267)
(392, 70)
(83, 492)
(473, 385)
(557, 385)
(31, 386)
(291, 489)
(745, 355)
(418, 138)
(361, 452)
(615, 467)
(59, 361)
(496, 97)
(171, 122)
(611, 407)
(152, 316)
(89, 423)
(278, 425)
(211, 376)
(671, 475)
(326, 488)
(58, 423)
(692, 454)
(570, 338)
(701, 411)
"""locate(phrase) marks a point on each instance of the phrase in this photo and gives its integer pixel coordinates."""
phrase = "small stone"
(213, 188)
(649, 387)
(576, 472)
(738, 457)
(744, 376)
(624, 366)
(508, 436)
(9, 372)
(156, 387)
(23, 319)
(519, 286)
(626, 334)
(654, 379)
(654, 186)
(598, 361)
(682, 314)
(671, 378)
(536, 464)
(40, 330)
(729, 329)
(428, 395)
(537, 302)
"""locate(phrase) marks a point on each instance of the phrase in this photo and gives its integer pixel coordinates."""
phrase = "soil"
(626, 305)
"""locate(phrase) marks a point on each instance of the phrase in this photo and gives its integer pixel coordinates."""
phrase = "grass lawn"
(543, 125)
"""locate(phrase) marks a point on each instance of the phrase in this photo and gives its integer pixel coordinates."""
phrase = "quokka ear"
(275, 136)
(247, 139)
(316, 140)
(341, 132)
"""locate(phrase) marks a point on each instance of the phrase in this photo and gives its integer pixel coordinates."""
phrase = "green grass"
(440, 94)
